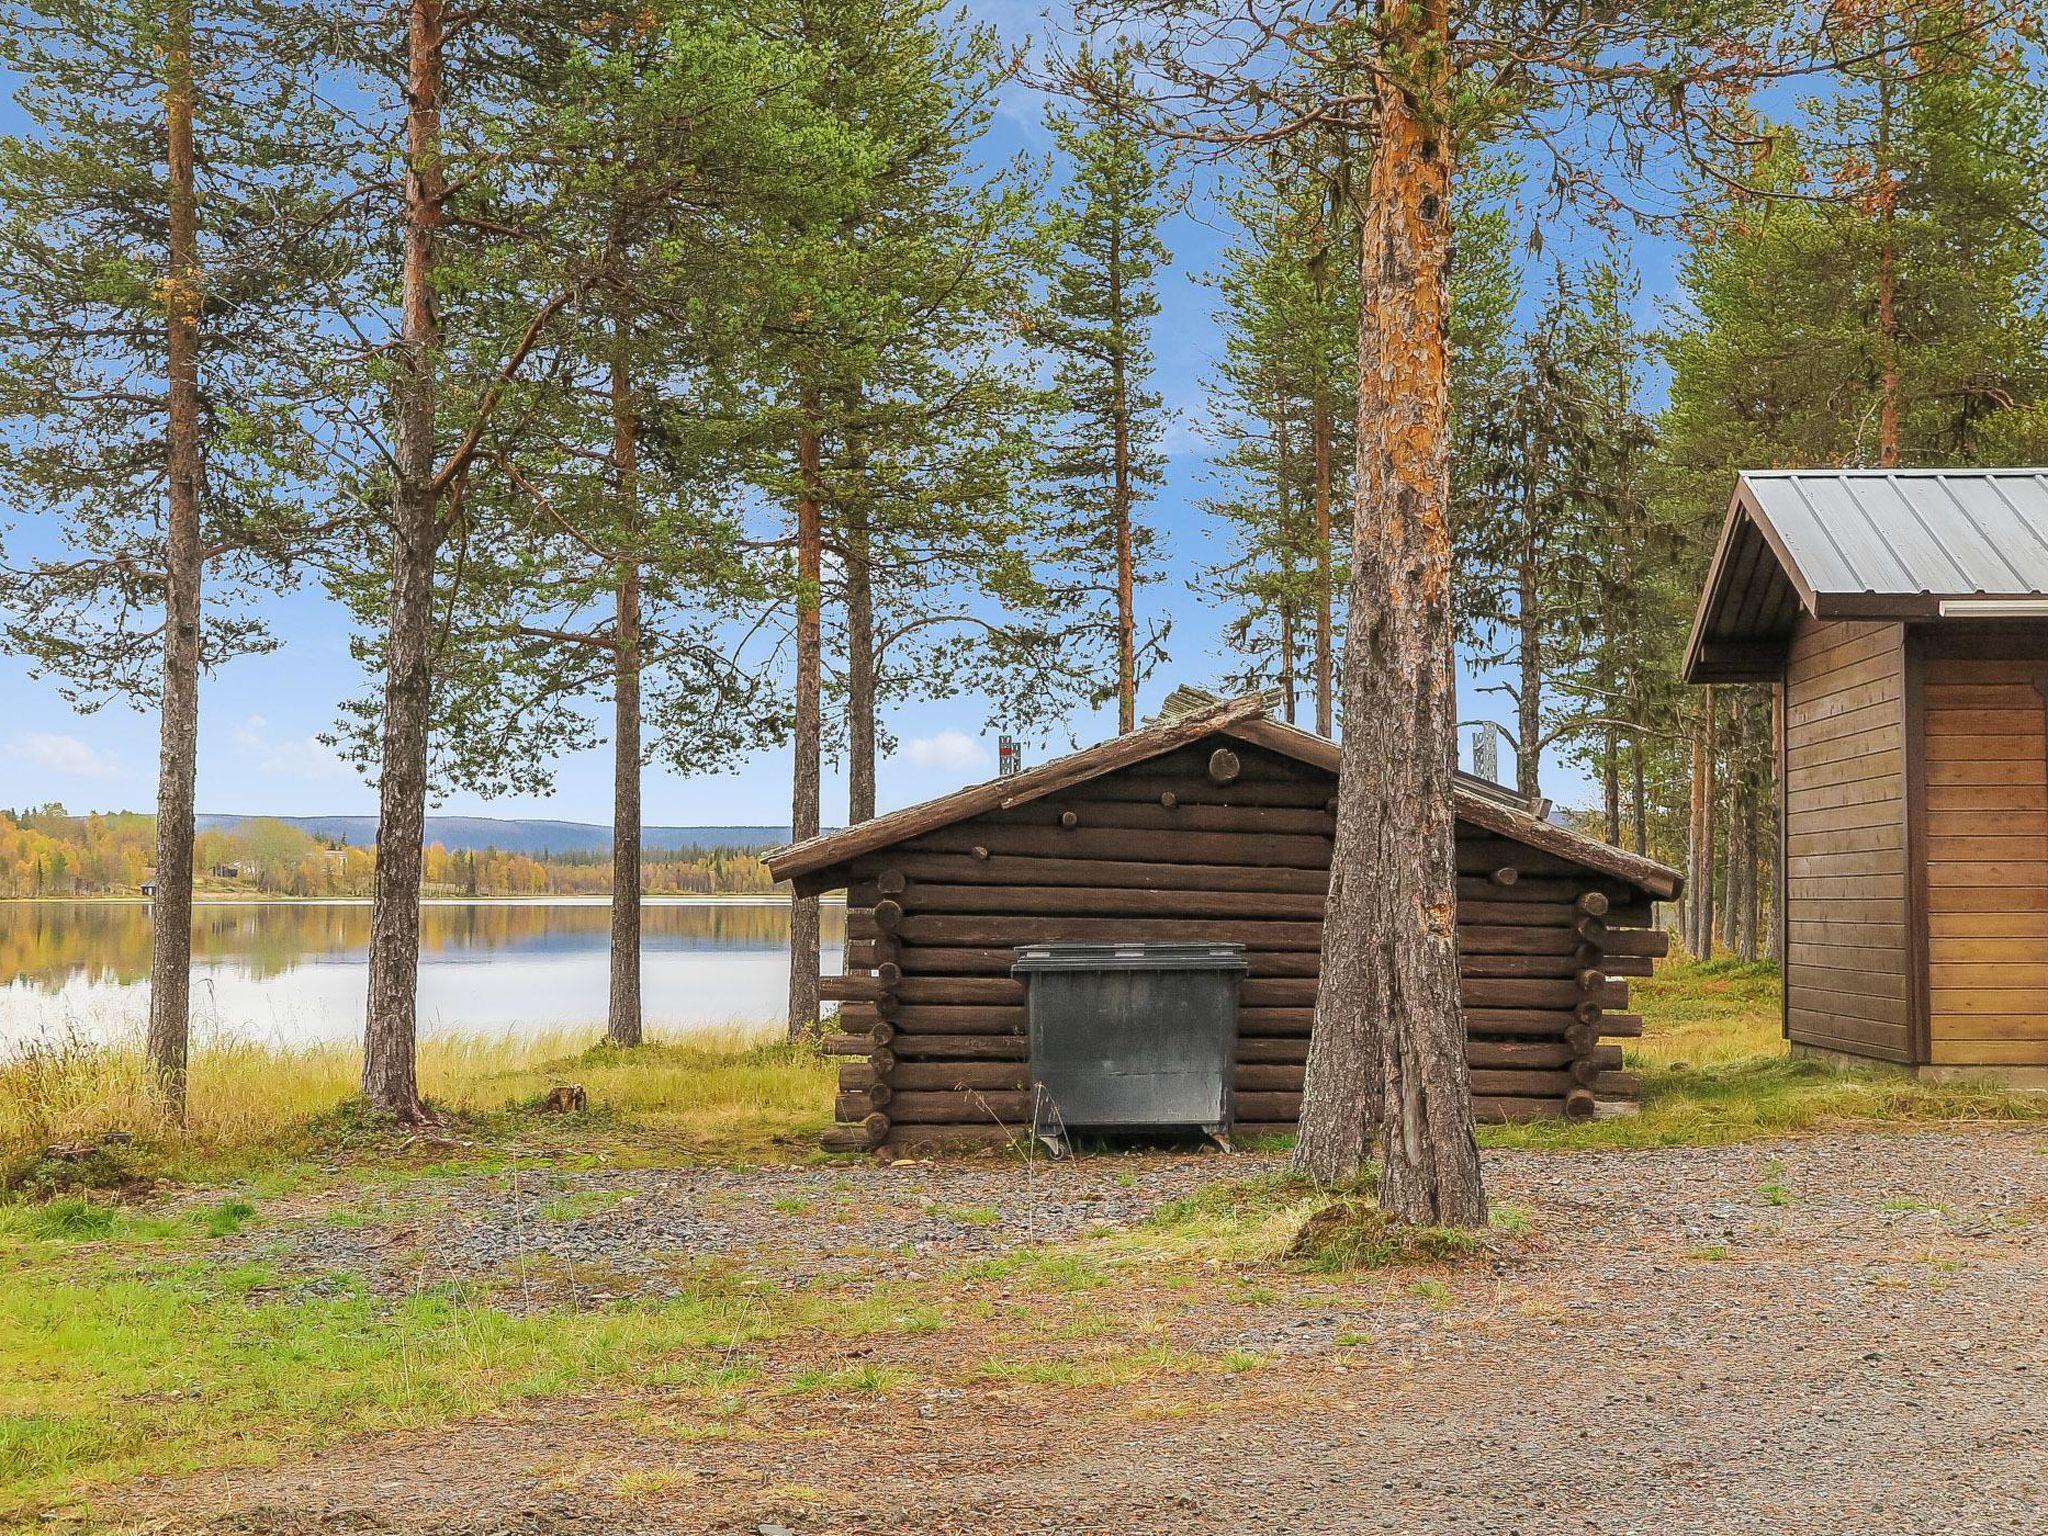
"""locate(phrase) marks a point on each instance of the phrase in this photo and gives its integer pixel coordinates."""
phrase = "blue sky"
(259, 752)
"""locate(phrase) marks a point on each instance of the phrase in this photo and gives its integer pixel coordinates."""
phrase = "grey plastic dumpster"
(1132, 1036)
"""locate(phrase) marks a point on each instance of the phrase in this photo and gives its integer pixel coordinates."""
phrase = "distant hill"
(473, 834)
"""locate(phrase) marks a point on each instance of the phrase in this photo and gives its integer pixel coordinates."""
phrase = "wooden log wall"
(934, 1024)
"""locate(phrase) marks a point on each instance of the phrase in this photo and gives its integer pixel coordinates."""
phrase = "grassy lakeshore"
(281, 1275)
(1713, 1068)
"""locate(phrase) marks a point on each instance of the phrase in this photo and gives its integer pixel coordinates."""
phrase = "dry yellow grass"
(735, 1089)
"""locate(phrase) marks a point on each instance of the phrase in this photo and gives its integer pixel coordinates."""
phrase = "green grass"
(125, 1346)
(1714, 1070)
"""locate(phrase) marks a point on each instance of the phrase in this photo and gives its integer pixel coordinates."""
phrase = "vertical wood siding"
(1846, 976)
(1985, 831)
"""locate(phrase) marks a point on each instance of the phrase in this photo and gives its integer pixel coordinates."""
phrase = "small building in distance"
(1212, 824)
(1902, 616)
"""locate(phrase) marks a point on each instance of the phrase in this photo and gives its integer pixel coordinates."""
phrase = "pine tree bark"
(170, 959)
(1322, 427)
(390, 1042)
(1284, 508)
(1387, 1053)
(861, 660)
(1700, 878)
(1120, 503)
(1610, 787)
(625, 1025)
(804, 788)
(1889, 384)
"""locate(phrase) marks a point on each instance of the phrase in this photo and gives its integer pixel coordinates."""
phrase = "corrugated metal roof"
(1919, 532)
(1861, 543)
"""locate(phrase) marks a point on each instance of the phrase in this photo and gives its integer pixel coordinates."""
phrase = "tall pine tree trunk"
(1700, 878)
(390, 1078)
(624, 1023)
(1387, 1055)
(170, 958)
(1120, 502)
(861, 661)
(804, 791)
(1284, 509)
(1889, 384)
(1610, 787)
(1323, 429)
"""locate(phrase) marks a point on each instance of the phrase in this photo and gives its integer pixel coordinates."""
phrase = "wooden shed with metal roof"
(1902, 616)
(1212, 824)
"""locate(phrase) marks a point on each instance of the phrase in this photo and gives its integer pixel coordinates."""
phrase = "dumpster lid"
(1141, 955)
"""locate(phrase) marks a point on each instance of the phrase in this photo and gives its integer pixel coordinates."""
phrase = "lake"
(297, 971)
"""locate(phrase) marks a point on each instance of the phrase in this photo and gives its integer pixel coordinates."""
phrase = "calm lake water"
(296, 971)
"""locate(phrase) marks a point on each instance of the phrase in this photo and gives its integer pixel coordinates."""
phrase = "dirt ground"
(1841, 1334)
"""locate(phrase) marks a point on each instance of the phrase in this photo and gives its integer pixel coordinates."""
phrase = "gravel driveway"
(1841, 1334)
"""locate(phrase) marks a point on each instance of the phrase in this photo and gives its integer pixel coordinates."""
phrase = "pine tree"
(1104, 256)
(155, 262)
(902, 445)
(600, 556)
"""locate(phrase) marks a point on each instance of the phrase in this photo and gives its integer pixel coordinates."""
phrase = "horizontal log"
(1272, 1049)
(963, 1108)
(912, 1139)
(1512, 1110)
(915, 990)
(958, 1076)
(1618, 1085)
(1155, 816)
(1562, 891)
(1266, 1106)
(1580, 1104)
(1628, 965)
(1638, 941)
(1264, 849)
(1551, 967)
(866, 954)
(1496, 1081)
(839, 1044)
(1548, 1023)
(1086, 901)
(1276, 1021)
(1481, 855)
(1520, 1054)
(1620, 1025)
(927, 929)
(1529, 938)
(958, 1019)
(1489, 992)
(1008, 1047)
(1548, 914)
(998, 959)
(852, 988)
(1017, 869)
(1593, 903)
(1199, 790)
(1255, 1077)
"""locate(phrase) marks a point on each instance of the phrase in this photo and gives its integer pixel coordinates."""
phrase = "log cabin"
(1214, 824)
(1901, 618)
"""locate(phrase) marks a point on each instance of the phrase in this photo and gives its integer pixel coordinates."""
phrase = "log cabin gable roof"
(820, 861)
(1863, 544)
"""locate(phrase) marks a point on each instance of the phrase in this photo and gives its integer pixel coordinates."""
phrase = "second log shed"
(1215, 824)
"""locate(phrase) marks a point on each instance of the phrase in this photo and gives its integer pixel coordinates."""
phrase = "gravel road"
(1841, 1334)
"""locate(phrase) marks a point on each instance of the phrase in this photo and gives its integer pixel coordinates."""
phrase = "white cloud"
(948, 749)
(66, 755)
(297, 757)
